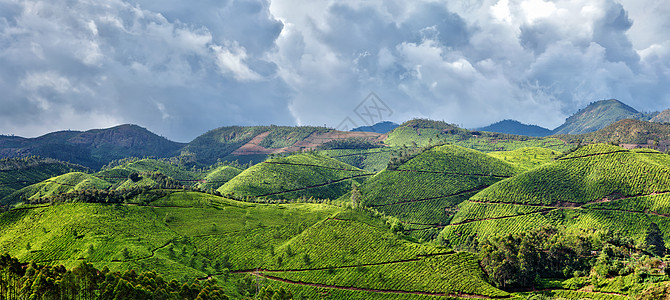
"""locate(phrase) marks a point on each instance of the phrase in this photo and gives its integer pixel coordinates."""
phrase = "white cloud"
(181, 68)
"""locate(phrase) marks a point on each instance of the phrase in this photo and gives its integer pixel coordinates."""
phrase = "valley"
(426, 211)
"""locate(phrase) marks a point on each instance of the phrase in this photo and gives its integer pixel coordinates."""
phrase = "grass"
(524, 159)
(17, 173)
(60, 184)
(187, 235)
(421, 133)
(119, 174)
(588, 174)
(301, 175)
(217, 177)
(371, 160)
(427, 187)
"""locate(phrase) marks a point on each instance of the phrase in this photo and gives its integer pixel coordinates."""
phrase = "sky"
(181, 68)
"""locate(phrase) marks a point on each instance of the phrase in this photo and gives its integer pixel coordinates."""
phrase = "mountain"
(662, 117)
(381, 127)
(92, 148)
(516, 127)
(627, 131)
(256, 143)
(598, 115)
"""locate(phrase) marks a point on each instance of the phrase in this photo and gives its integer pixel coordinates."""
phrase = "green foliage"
(372, 160)
(300, 175)
(426, 188)
(17, 173)
(524, 159)
(217, 177)
(591, 173)
(120, 173)
(448, 274)
(350, 143)
(66, 183)
(86, 282)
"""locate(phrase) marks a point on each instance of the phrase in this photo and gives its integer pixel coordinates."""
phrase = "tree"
(355, 195)
(654, 240)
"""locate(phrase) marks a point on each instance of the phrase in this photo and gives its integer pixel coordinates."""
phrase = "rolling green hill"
(217, 177)
(65, 183)
(598, 115)
(597, 186)
(516, 127)
(17, 173)
(220, 143)
(188, 235)
(421, 133)
(524, 159)
(422, 191)
(301, 175)
(119, 174)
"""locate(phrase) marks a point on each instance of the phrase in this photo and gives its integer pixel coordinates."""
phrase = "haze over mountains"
(595, 116)
(97, 147)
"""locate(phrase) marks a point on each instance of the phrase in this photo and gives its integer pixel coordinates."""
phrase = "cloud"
(122, 62)
(181, 68)
(472, 63)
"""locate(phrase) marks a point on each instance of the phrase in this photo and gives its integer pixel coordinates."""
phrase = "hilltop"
(17, 173)
(662, 117)
(597, 186)
(93, 148)
(302, 175)
(422, 189)
(517, 128)
(381, 127)
(255, 143)
(598, 115)
(627, 133)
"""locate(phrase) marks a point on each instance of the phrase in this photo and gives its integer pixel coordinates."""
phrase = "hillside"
(422, 191)
(92, 148)
(65, 183)
(257, 142)
(592, 187)
(381, 127)
(662, 117)
(121, 173)
(524, 159)
(17, 173)
(598, 115)
(217, 177)
(516, 127)
(301, 175)
(629, 133)
(421, 133)
(310, 249)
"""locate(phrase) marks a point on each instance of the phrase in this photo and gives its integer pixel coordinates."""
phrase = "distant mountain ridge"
(516, 127)
(598, 115)
(381, 127)
(93, 148)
